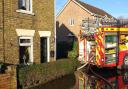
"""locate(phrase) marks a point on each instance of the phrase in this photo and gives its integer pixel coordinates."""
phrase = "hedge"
(32, 75)
(74, 52)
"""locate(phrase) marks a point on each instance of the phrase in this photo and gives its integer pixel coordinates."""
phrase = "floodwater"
(66, 82)
(91, 78)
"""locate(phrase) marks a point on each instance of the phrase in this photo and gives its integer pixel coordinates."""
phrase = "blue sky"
(114, 7)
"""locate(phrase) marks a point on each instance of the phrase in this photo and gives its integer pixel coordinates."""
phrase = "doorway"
(25, 54)
(25, 50)
(44, 49)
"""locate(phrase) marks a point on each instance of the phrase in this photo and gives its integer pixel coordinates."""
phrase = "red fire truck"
(111, 47)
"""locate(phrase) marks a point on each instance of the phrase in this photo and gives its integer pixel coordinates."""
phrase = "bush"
(62, 49)
(35, 74)
(74, 52)
(2, 67)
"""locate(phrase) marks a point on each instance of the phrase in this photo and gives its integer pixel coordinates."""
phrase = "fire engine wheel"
(126, 62)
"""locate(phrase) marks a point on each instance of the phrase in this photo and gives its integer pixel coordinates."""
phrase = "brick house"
(69, 20)
(26, 31)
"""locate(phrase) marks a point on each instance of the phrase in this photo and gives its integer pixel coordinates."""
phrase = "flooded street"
(66, 82)
(95, 78)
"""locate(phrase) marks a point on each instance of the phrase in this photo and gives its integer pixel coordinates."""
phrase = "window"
(71, 22)
(25, 5)
(25, 41)
(111, 39)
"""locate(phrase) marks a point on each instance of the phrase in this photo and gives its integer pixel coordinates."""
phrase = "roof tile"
(93, 9)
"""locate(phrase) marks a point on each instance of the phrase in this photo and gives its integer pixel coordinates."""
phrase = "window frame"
(26, 44)
(71, 21)
(30, 11)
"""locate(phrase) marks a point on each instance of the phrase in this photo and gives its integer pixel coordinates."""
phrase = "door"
(24, 54)
(44, 49)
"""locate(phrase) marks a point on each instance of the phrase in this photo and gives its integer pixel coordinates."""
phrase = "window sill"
(25, 12)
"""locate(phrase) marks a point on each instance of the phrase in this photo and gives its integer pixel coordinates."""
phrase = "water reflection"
(106, 79)
(96, 78)
(66, 82)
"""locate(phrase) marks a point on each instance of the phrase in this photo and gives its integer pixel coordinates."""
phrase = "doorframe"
(46, 34)
(29, 45)
(48, 47)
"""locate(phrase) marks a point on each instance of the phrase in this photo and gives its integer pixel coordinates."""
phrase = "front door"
(24, 54)
(44, 49)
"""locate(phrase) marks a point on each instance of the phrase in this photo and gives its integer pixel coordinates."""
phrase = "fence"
(8, 79)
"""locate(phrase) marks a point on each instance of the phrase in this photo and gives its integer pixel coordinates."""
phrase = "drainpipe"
(55, 48)
(3, 31)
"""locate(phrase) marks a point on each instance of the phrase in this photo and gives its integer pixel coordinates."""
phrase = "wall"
(8, 79)
(1, 32)
(42, 20)
(5, 83)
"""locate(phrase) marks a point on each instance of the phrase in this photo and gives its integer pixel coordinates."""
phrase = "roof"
(93, 9)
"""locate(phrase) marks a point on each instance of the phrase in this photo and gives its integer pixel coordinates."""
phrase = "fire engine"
(110, 45)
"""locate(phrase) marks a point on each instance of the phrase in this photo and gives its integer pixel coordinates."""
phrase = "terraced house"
(27, 31)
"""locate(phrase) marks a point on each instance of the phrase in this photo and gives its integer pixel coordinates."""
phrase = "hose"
(82, 66)
(85, 63)
(89, 68)
(97, 75)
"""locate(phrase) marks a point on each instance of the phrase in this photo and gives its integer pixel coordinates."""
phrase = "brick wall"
(4, 81)
(8, 80)
(42, 20)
